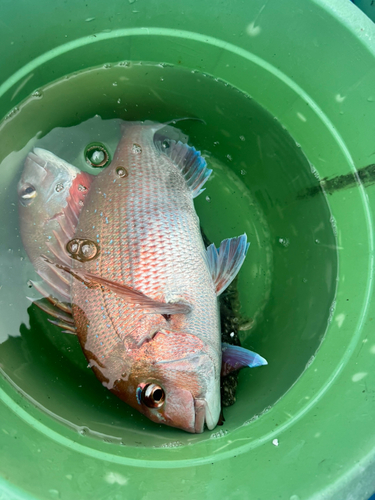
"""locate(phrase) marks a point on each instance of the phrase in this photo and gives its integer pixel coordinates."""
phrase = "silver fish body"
(47, 186)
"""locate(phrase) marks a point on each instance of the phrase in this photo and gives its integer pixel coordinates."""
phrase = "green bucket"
(302, 428)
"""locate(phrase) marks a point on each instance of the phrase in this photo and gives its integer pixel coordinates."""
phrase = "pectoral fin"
(189, 161)
(225, 262)
(129, 294)
(236, 357)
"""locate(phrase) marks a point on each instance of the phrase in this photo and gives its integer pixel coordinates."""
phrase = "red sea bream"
(144, 294)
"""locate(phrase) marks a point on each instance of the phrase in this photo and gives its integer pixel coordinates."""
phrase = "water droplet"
(114, 84)
(82, 250)
(229, 157)
(121, 172)
(73, 247)
(243, 172)
(88, 250)
(136, 149)
(208, 199)
(317, 242)
(284, 242)
(59, 187)
(97, 155)
(37, 93)
(242, 137)
(162, 79)
(118, 101)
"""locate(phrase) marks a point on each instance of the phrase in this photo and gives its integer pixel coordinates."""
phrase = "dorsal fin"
(189, 161)
(225, 262)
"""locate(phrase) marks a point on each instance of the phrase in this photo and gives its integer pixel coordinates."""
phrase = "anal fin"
(236, 357)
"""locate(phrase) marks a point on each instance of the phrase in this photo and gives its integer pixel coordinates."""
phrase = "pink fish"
(144, 298)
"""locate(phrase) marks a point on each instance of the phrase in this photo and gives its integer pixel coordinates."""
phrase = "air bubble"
(243, 172)
(208, 199)
(114, 84)
(97, 157)
(82, 250)
(59, 187)
(229, 157)
(82, 188)
(37, 93)
(136, 149)
(218, 434)
(242, 137)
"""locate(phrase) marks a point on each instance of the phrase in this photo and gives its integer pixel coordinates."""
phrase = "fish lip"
(200, 415)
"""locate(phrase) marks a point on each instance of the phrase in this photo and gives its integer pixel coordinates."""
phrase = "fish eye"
(153, 396)
(28, 194)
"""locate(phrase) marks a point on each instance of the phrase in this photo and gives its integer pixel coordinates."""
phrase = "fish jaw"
(207, 410)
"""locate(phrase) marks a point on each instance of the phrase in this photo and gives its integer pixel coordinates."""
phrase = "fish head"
(44, 184)
(174, 379)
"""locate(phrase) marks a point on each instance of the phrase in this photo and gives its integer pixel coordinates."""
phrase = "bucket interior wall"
(305, 284)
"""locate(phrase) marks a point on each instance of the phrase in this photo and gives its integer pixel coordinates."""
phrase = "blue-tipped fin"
(225, 262)
(189, 161)
(236, 357)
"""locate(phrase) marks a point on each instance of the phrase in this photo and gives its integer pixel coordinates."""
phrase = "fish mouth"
(203, 416)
